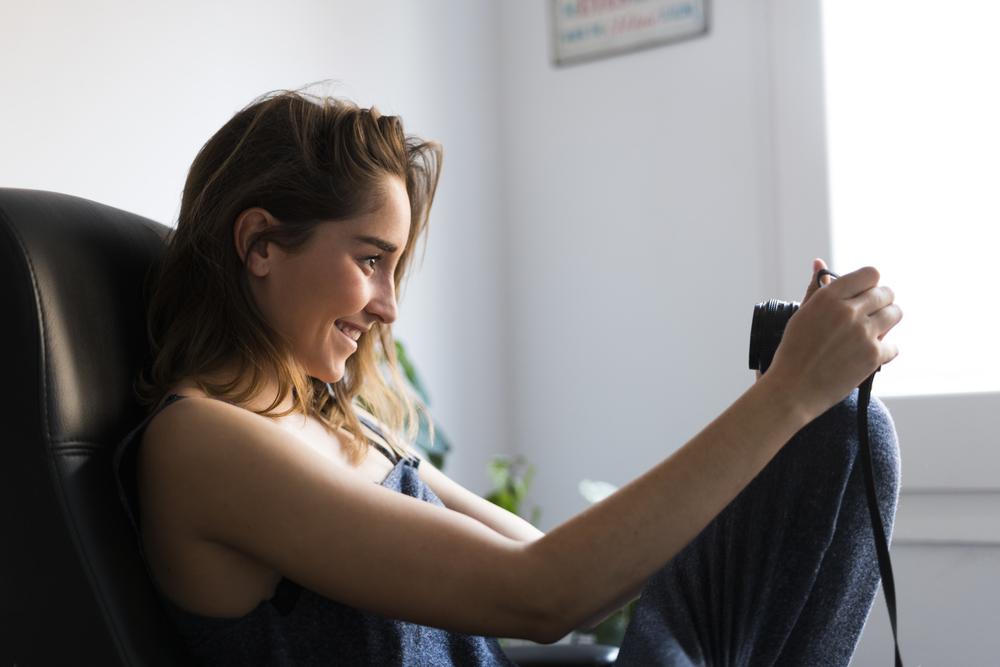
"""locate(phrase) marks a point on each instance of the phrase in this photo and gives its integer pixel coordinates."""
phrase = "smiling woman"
(299, 188)
(271, 317)
(286, 520)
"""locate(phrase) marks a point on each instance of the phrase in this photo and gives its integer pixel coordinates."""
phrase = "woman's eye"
(371, 261)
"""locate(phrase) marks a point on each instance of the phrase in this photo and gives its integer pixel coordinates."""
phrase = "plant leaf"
(596, 491)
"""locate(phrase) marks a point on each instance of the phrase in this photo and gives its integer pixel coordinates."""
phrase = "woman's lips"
(352, 341)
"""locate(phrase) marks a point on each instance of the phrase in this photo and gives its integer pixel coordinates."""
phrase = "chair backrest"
(73, 588)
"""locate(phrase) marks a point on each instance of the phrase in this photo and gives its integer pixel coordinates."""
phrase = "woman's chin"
(331, 374)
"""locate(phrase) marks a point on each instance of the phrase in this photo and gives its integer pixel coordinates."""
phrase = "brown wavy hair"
(308, 161)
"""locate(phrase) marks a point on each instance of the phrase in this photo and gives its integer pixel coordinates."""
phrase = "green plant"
(511, 478)
(437, 450)
(611, 631)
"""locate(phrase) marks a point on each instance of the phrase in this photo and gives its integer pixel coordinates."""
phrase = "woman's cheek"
(353, 293)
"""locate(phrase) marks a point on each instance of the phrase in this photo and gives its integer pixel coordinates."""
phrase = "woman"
(284, 518)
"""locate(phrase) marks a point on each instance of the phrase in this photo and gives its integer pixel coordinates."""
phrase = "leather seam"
(62, 444)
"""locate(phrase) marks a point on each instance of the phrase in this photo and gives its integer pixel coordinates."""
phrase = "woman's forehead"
(380, 230)
(390, 222)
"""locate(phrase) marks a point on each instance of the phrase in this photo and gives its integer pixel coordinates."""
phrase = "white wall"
(637, 232)
(111, 100)
(651, 200)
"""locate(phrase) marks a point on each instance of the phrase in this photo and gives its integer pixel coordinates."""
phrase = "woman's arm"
(830, 345)
(225, 475)
(216, 473)
(600, 559)
(457, 497)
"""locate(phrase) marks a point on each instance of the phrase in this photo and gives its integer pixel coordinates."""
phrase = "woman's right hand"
(833, 342)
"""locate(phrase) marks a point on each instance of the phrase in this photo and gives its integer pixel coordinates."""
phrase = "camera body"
(768, 326)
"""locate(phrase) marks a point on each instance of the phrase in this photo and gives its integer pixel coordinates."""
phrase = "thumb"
(818, 265)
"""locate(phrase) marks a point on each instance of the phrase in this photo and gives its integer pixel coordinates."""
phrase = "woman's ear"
(246, 230)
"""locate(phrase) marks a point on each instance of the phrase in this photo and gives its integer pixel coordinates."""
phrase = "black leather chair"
(73, 589)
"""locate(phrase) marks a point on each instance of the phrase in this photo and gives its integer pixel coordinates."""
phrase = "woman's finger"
(857, 282)
(889, 352)
(885, 319)
(874, 299)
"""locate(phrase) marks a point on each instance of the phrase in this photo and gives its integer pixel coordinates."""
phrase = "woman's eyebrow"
(377, 242)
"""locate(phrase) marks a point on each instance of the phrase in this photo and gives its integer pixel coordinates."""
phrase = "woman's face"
(341, 281)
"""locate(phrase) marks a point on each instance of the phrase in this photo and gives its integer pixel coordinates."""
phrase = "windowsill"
(947, 517)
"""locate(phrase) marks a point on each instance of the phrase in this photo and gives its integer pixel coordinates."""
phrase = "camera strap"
(884, 564)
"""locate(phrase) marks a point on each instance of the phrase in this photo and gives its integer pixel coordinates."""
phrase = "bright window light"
(913, 139)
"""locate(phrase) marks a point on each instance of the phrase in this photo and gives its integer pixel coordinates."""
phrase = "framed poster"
(588, 29)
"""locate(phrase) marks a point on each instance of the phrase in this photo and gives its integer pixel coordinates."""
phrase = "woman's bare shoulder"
(195, 418)
(194, 446)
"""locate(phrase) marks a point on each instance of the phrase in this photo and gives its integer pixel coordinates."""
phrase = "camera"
(766, 330)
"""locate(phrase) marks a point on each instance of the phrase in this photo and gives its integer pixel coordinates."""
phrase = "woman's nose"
(383, 304)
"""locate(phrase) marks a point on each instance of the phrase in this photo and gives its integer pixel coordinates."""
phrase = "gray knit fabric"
(787, 573)
(300, 628)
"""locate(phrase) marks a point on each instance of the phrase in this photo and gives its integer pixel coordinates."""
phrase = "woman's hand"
(834, 340)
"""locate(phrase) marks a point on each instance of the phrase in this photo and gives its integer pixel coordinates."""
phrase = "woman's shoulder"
(185, 413)
(193, 443)
(210, 476)
(188, 422)
(188, 412)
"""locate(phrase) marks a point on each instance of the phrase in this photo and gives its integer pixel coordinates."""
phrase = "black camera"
(769, 321)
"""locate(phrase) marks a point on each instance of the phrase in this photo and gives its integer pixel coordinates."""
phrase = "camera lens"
(766, 330)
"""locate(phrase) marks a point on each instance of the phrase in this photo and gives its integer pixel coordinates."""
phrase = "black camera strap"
(884, 564)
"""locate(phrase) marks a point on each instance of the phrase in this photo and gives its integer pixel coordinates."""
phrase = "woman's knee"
(834, 435)
(884, 442)
(842, 425)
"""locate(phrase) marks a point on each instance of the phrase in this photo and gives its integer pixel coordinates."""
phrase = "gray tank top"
(298, 627)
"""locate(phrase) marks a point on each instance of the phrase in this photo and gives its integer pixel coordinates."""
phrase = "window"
(862, 148)
(913, 148)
